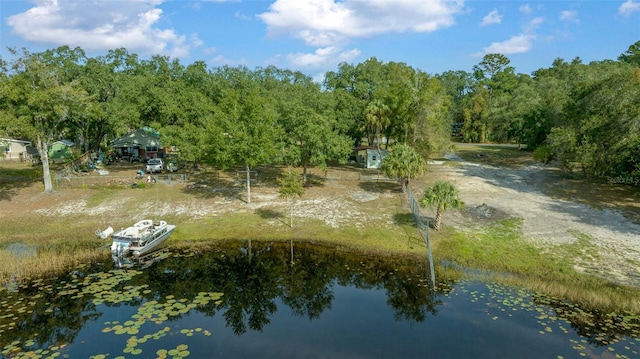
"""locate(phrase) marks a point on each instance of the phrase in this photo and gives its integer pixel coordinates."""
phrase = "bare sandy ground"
(614, 240)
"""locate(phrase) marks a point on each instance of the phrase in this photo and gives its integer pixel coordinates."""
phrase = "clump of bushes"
(543, 154)
(139, 185)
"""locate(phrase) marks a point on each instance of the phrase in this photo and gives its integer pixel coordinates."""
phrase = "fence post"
(422, 223)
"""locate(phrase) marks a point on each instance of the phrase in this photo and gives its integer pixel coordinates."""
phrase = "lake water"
(250, 300)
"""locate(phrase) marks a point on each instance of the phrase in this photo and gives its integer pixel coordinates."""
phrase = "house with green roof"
(139, 145)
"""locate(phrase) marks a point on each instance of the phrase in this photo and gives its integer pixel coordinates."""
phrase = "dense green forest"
(585, 116)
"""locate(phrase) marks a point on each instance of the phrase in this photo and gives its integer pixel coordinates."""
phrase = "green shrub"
(543, 154)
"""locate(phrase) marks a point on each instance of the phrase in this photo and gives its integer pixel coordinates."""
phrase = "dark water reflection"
(272, 300)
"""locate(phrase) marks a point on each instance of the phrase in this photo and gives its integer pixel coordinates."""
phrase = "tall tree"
(355, 87)
(494, 75)
(195, 115)
(398, 94)
(290, 188)
(247, 131)
(632, 55)
(348, 107)
(405, 104)
(430, 124)
(474, 127)
(376, 116)
(42, 101)
(305, 113)
(102, 81)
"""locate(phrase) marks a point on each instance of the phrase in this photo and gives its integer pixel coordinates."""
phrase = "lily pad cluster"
(110, 288)
(157, 313)
(181, 351)
(16, 350)
(14, 307)
(557, 314)
(101, 286)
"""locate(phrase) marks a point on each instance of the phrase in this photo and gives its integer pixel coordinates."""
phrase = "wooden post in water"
(292, 251)
(426, 239)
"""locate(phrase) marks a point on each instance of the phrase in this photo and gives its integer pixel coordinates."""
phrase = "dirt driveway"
(548, 221)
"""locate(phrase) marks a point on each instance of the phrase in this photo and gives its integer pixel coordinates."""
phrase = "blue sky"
(314, 36)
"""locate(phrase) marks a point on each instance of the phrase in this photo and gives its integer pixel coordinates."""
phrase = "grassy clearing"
(402, 237)
(496, 247)
(498, 155)
(15, 171)
(99, 197)
(500, 249)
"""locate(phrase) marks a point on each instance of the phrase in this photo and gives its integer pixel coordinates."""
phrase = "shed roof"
(143, 137)
(64, 142)
(6, 140)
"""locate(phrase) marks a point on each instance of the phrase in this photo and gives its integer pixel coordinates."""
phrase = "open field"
(511, 202)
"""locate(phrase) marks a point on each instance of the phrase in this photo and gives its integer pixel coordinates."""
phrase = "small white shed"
(370, 157)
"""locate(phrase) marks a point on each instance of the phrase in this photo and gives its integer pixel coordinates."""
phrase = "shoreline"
(370, 216)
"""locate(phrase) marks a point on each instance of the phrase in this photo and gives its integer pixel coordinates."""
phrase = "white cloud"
(222, 60)
(240, 15)
(329, 25)
(209, 50)
(323, 57)
(492, 18)
(515, 45)
(569, 16)
(324, 23)
(101, 25)
(629, 7)
(533, 25)
(525, 9)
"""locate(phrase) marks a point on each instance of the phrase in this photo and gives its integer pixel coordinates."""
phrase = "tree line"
(225, 116)
(585, 116)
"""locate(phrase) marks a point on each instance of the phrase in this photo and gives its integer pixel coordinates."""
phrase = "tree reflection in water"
(249, 282)
(253, 275)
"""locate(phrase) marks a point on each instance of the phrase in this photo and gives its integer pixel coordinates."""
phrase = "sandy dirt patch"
(335, 202)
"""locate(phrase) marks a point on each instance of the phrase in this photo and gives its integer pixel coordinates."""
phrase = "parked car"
(155, 165)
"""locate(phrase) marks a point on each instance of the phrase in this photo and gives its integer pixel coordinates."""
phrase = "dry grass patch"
(509, 156)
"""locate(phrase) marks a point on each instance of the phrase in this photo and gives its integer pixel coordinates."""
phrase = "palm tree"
(376, 116)
(403, 162)
(443, 195)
